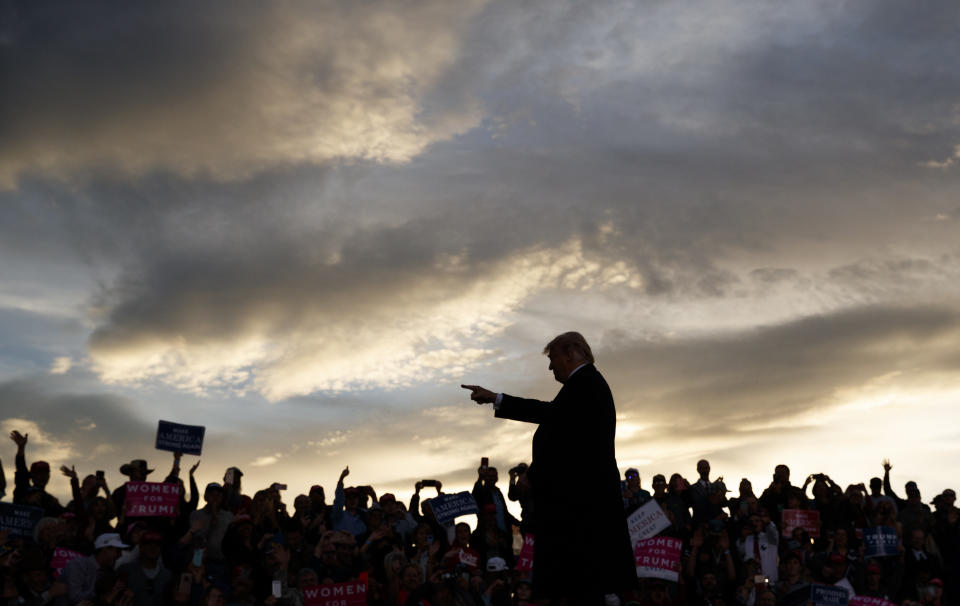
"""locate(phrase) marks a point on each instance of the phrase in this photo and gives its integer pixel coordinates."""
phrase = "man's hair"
(570, 343)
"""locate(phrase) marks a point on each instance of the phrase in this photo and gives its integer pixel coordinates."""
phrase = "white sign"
(647, 521)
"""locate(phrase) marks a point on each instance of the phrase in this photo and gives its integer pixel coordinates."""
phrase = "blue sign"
(446, 507)
(828, 595)
(880, 541)
(19, 519)
(175, 437)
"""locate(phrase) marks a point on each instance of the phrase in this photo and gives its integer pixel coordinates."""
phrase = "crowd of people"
(248, 548)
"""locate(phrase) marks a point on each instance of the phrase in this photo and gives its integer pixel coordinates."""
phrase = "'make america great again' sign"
(152, 499)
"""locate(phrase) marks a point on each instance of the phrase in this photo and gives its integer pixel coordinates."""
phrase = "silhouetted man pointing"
(581, 544)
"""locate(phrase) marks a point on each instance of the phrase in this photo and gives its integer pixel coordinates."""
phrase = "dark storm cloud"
(759, 375)
(226, 91)
(78, 419)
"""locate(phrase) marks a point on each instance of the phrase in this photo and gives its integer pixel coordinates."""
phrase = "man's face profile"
(561, 364)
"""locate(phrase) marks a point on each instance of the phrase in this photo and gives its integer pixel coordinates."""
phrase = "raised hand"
(19, 438)
(70, 472)
(344, 473)
(194, 467)
(886, 465)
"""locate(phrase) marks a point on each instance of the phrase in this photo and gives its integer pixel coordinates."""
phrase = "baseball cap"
(496, 564)
(109, 539)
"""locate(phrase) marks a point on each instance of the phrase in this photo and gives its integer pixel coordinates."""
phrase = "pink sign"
(658, 558)
(471, 560)
(62, 557)
(807, 519)
(860, 600)
(146, 499)
(525, 559)
(352, 593)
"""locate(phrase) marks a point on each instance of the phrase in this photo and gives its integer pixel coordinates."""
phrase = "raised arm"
(887, 488)
(21, 477)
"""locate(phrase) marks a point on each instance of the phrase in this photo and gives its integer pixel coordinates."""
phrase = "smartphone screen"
(277, 589)
(198, 557)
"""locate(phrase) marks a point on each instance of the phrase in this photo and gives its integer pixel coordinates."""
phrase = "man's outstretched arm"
(510, 407)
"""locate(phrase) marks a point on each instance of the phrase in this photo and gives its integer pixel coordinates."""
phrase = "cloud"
(389, 312)
(762, 377)
(266, 460)
(946, 163)
(226, 93)
(61, 365)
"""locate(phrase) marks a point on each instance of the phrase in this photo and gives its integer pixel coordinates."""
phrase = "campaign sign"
(525, 559)
(468, 559)
(862, 600)
(828, 595)
(446, 507)
(647, 521)
(351, 593)
(658, 558)
(807, 519)
(152, 499)
(62, 557)
(175, 437)
(879, 541)
(19, 519)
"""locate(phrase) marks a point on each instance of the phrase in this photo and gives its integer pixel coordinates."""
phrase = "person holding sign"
(574, 478)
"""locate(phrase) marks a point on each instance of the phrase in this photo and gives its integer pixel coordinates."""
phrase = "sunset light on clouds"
(303, 225)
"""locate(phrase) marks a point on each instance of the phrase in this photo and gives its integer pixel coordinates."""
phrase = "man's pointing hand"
(480, 395)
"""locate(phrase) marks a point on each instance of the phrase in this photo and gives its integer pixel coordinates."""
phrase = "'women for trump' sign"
(152, 499)
(351, 593)
(658, 558)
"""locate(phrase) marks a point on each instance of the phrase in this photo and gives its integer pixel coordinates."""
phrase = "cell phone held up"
(485, 462)
(429, 483)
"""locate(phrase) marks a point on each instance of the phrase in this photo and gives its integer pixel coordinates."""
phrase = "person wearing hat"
(574, 477)
(137, 471)
(875, 582)
(80, 575)
(36, 477)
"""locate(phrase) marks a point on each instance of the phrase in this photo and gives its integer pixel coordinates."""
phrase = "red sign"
(860, 600)
(807, 519)
(471, 560)
(658, 558)
(353, 593)
(62, 557)
(152, 499)
(525, 559)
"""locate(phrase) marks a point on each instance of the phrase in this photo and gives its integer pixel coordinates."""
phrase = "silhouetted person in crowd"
(81, 574)
(633, 495)
(346, 513)
(147, 577)
(774, 497)
(30, 486)
(486, 491)
(573, 563)
(521, 492)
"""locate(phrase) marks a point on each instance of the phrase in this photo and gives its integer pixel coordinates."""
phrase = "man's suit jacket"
(581, 542)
